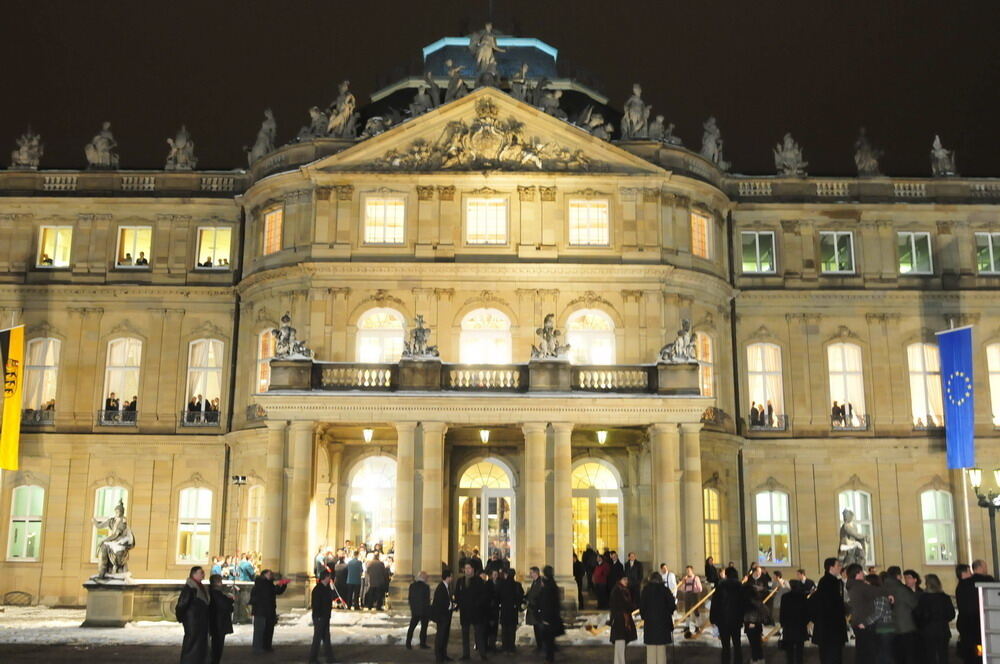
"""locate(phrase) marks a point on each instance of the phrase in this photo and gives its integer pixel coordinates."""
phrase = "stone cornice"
(110, 291)
(875, 297)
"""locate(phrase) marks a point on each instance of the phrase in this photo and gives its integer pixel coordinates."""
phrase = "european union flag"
(955, 347)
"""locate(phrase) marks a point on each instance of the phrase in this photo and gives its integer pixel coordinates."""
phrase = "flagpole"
(968, 528)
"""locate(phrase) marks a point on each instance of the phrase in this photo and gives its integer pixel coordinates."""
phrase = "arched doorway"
(372, 503)
(486, 509)
(597, 506)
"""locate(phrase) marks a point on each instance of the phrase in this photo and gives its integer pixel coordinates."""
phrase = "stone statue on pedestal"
(788, 158)
(416, 347)
(286, 345)
(636, 116)
(317, 125)
(681, 350)
(343, 120)
(548, 347)
(265, 138)
(28, 152)
(519, 83)
(100, 152)
(711, 144)
(483, 45)
(456, 84)
(421, 101)
(853, 542)
(181, 156)
(942, 160)
(112, 552)
(866, 156)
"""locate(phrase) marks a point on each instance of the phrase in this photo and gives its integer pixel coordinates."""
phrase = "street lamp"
(239, 481)
(989, 501)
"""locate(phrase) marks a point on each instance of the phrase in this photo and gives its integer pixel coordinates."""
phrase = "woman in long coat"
(656, 605)
(622, 624)
(192, 612)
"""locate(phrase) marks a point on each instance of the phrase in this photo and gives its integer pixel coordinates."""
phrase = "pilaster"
(532, 552)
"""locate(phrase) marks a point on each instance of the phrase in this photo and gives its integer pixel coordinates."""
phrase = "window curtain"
(41, 372)
(205, 369)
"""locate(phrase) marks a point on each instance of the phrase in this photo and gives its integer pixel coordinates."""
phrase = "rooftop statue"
(421, 101)
(942, 160)
(658, 132)
(604, 132)
(483, 45)
(589, 119)
(264, 144)
(434, 90)
(343, 120)
(550, 104)
(286, 345)
(100, 152)
(456, 84)
(711, 144)
(113, 551)
(519, 83)
(788, 158)
(28, 152)
(681, 350)
(181, 156)
(866, 156)
(853, 542)
(417, 347)
(376, 125)
(636, 117)
(317, 125)
(548, 347)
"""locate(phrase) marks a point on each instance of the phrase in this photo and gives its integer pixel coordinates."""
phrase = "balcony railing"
(619, 378)
(117, 418)
(776, 423)
(855, 423)
(485, 377)
(355, 376)
(198, 418)
(37, 418)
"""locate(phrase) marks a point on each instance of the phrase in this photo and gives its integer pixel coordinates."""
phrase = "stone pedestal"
(549, 376)
(115, 604)
(420, 375)
(291, 375)
(109, 605)
(677, 379)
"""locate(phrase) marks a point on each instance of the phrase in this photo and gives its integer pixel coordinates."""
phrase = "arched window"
(773, 528)
(121, 379)
(373, 502)
(590, 334)
(766, 389)
(194, 529)
(847, 386)
(925, 385)
(41, 373)
(713, 522)
(597, 506)
(265, 351)
(380, 336)
(105, 501)
(204, 384)
(706, 362)
(860, 504)
(26, 507)
(938, 513)
(993, 367)
(486, 509)
(255, 518)
(485, 338)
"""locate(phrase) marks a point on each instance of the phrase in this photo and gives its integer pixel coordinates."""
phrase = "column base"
(399, 588)
(569, 602)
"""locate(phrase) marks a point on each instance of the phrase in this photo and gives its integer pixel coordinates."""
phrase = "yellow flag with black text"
(12, 356)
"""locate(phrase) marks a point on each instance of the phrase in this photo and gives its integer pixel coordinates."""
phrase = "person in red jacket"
(600, 580)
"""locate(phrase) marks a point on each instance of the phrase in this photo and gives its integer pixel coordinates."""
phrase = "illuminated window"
(484, 475)
(133, 246)
(384, 220)
(273, 222)
(486, 221)
(847, 385)
(938, 514)
(837, 252)
(121, 376)
(265, 351)
(758, 252)
(25, 539)
(773, 526)
(914, 253)
(380, 336)
(988, 252)
(255, 518)
(597, 502)
(713, 522)
(54, 243)
(194, 529)
(766, 392)
(699, 234)
(105, 502)
(993, 367)
(485, 338)
(205, 358)
(588, 223)
(925, 385)
(41, 373)
(706, 362)
(485, 510)
(214, 246)
(860, 503)
(590, 334)
(373, 503)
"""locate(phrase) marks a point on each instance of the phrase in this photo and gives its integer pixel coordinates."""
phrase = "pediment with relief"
(486, 130)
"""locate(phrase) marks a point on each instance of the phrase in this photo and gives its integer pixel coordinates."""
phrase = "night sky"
(905, 69)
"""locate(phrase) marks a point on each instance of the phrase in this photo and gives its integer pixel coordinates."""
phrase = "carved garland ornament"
(484, 143)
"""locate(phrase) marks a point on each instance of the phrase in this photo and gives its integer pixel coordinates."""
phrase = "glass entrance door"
(485, 515)
(497, 518)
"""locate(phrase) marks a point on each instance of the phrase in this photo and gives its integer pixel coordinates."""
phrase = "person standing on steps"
(656, 606)
(441, 610)
(220, 617)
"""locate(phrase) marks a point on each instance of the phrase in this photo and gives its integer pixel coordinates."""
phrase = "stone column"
(333, 534)
(433, 503)
(404, 504)
(694, 516)
(562, 514)
(274, 487)
(299, 516)
(664, 443)
(533, 548)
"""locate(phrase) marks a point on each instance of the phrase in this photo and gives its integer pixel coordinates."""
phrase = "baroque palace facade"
(483, 212)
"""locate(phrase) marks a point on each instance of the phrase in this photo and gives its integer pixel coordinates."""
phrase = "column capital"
(662, 428)
(405, 427)
(276, 425)
(303, 425)
(434, 427)
(562, 427)
(691, 427)
(533, 427)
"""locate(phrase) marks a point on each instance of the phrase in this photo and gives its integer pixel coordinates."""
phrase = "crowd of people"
(116, 410)
(359, 576)
(201, 409)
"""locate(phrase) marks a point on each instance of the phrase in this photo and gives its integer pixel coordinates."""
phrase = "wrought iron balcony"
(776, 423)
(37, 418)
(198, 418)
(854, 423)
(117, 418)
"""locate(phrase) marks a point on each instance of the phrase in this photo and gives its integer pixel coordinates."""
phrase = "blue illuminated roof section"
(502, 42)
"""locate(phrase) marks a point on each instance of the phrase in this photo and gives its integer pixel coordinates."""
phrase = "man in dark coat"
(656, 607)
(471, 597)
(616, 572)
(794, 619)
(378, 583)
(548, 615)
(633, 571)
(967, 599)
(220, 616)
(441, 610)
(828, 613)
(263, 599)
(193, 612)
(729, 604)
(491, 607)
(510, 596)
(589, 559)
(419, 599)
(355, 572)
(322, 607)
(531, 599)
